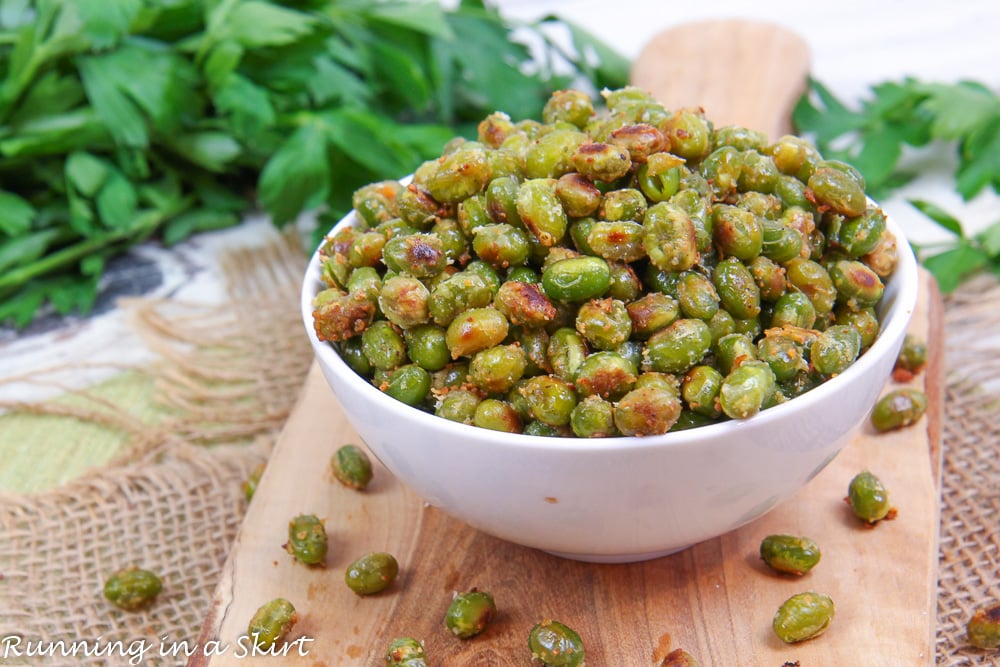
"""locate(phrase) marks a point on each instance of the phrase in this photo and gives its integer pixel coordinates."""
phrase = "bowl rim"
(904, 282)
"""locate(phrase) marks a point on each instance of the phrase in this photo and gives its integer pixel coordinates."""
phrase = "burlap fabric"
(172, 500)
(969, 568)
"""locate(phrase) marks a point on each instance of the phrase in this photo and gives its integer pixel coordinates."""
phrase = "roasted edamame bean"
(789, 553)
(405, 652)
(803, 616)
(677, 347)
(868, 498)
(132, 588)
(408, 384)
(555, 644)
(747, 389)
(576, 279)
(458, 405)
(549, 399)
(249, 485)
(272, 621)
(469, 613)
(679, 658)
(525, 281)
(307, 541)
(835, 349)
(351, 467)
(700, 390)
(647, 410)
(604, 323)
(669, 237)
(898, 409)
(541, 211)
(983, 628)
(593, 417)
(606, 374)
(372, 573)
(497, 415)
(911, 359)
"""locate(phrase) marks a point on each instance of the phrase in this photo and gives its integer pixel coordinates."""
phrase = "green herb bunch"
(963, 116)
(124, 120)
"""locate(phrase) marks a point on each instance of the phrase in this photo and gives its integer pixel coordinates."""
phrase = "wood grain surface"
(741, 72)
(715, 600)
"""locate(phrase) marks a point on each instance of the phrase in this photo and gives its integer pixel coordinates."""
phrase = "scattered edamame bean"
(405, 652)
(898, 409)
(803, 616)
(911, 359)
(679, 658)
(307, 541)
(371, 573)
(272, 621)
(643, 233)
(469, 613)
(351, 467)
(789, 553)
(554, 644)
(868, 498)
(983, 628)
(132, 588)
(250, 484)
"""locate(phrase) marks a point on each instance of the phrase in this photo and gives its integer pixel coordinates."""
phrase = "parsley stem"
(146, 224)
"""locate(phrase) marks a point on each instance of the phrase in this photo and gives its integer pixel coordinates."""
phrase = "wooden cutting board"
(715, 600)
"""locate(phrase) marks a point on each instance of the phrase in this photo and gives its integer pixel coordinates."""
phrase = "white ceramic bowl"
(628, 498)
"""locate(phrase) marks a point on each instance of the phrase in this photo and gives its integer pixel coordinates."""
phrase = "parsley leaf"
(962, 116)
(126, 119)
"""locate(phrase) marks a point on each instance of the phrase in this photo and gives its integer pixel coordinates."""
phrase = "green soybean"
(747, 390)
(555, 644)
(803, 616)
(737, 289)
(678, 346)
(647, 410)
(351, 467)
(898, 409)
(576, 279)
(497, 415)
(593, 417)
(272, 621)
(474, 330)
(868, 497)
(983, 627)
(470, 613)
(307, 541)
(790, 554)
(604, 323)
(458, 405)
(405, 652)
(132, 588)
(541, 211)
(371, 573)
(669, 237)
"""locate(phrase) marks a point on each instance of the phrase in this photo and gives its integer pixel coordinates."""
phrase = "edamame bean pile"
(621, 270)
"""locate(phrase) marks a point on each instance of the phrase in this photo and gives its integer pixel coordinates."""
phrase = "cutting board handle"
(740, 72)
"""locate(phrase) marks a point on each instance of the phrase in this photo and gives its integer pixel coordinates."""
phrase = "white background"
(854, 44)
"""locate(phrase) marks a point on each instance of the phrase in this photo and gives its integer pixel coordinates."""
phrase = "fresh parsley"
(126, 120)
(963, 116)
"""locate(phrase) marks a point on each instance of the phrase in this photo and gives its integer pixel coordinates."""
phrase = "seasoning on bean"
(546, 277)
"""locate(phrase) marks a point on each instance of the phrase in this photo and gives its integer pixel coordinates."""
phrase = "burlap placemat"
(172, 500)
(969, 568)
